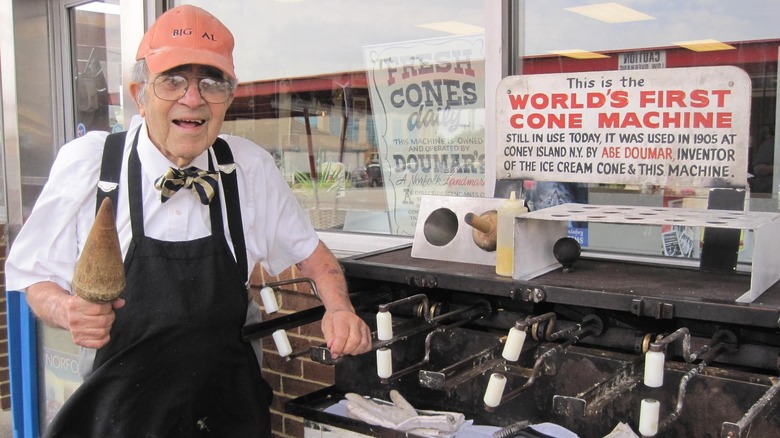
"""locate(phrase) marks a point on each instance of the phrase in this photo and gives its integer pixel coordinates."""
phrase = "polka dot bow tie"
(202, 183)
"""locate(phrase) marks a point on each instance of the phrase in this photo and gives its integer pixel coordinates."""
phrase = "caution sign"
(673, 127)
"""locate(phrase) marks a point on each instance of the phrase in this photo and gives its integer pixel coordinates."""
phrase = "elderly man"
(170, 361)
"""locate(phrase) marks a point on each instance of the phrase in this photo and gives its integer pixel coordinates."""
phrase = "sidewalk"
(5, 424)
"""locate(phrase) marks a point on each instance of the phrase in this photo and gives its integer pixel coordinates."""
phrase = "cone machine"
(668, 348)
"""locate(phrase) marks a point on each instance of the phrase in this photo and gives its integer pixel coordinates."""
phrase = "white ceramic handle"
(269, 300)
(495, 390)
(654, 368)
(648, 417)
(384, 363)
(514, 344)
(282, 343)
(384, 326)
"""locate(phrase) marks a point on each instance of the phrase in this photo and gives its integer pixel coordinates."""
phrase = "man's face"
(181, 129)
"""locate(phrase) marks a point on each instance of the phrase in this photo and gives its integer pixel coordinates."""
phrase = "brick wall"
(299, 376)
(5, 385)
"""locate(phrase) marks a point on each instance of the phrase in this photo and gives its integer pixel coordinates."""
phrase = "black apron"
(176, 364)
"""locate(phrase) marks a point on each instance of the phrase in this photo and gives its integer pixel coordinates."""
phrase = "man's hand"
(345, 333)
(89, 323)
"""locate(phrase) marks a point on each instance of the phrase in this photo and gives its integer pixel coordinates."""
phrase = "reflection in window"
(633, 36)
(96, 67)
(312, 95)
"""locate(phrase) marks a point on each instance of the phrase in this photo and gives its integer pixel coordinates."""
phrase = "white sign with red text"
(673, 127)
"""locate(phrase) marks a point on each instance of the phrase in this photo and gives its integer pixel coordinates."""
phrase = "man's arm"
(345, 332)
(89, 323)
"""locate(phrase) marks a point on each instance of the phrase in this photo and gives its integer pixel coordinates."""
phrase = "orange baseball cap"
(187, 35)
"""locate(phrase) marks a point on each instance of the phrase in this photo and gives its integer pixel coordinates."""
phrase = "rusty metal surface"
(634, 279)
(587, 387)
(715, 396)
(661, 292)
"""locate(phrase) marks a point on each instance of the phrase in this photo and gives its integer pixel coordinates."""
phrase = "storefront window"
(368, 110)
(594, 51)
(96, 58)
(366, 106)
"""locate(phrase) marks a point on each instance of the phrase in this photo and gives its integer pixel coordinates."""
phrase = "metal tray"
(659, 292)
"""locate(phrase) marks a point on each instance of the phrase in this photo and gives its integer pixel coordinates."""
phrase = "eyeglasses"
(174, 87)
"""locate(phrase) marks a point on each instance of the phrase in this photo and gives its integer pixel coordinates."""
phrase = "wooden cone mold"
(100, 272)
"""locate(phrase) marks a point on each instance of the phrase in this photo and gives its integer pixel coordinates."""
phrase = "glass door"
(95, 56)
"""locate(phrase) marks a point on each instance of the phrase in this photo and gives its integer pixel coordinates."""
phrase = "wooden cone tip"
(100, 274)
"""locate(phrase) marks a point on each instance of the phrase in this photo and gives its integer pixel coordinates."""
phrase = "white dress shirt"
(277, 230)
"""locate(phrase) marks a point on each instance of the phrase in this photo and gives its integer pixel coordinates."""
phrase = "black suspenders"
(108, 187)
(227, 170)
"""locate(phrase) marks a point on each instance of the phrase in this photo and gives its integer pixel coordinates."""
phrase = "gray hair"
(139, 75)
